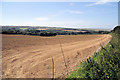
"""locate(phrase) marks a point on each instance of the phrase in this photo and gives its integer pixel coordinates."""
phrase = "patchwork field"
(26, 56)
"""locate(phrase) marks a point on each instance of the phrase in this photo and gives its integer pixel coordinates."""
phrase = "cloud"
(75, 12)
(42, 19)
(57, 13)
(72, 4)
(102, 2)
(99, 2)
(60, 23)
(60, 13)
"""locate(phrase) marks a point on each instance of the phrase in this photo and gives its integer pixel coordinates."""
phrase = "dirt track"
(31, 56)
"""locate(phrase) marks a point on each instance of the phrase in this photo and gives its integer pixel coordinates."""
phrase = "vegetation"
(47, 31)
(105, 64)
(26, 31)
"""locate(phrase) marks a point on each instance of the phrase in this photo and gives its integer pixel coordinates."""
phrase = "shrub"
(105, 64)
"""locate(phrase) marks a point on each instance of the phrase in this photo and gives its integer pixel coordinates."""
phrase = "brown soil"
(31, 56)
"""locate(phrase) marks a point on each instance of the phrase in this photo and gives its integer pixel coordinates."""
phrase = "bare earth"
(31, 56)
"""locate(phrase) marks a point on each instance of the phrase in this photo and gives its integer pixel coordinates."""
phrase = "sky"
(103, 15)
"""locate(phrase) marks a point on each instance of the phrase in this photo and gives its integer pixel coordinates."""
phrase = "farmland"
(49, 31)
(27, 56)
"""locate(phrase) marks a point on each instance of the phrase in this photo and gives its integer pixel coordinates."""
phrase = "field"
(31, 56)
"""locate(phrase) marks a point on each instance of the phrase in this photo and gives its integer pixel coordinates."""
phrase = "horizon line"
(57, 27)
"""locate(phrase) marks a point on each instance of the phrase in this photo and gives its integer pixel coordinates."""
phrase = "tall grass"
(105, 64)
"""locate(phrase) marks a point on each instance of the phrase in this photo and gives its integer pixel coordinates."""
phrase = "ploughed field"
(26, 56)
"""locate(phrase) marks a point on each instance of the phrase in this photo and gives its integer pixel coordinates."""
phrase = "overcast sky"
(62, 14)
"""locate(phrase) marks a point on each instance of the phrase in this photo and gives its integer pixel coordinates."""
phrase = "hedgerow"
(105, 64)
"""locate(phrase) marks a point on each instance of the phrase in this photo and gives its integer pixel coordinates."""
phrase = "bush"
(105, 64)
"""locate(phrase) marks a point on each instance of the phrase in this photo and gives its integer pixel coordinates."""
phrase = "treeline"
(61, 32)
(105, 64)
(28, 32)
(25, 30)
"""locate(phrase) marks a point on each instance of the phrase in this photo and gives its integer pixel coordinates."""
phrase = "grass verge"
(105, 64)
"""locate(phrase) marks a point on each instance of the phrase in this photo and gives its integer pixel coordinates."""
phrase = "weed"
(105, 64)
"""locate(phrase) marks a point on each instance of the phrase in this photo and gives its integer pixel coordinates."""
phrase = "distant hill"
(39, 30)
